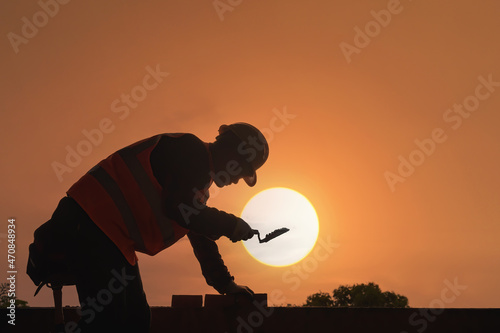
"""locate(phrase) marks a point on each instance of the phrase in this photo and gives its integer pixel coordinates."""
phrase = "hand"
(233, 289)
(242, 231)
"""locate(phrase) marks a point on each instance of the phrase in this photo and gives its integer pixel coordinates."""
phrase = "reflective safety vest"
(123, 198)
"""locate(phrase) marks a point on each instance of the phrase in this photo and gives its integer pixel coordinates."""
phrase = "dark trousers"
(110, 290)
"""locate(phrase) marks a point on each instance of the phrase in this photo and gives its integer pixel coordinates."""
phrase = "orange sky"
(355, 114)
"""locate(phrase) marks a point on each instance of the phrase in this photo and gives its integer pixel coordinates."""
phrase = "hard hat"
(254, 143)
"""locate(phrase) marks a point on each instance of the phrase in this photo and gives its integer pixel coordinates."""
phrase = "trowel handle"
(256, 232)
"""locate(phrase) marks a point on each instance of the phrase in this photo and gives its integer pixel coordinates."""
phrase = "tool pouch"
(49, 260)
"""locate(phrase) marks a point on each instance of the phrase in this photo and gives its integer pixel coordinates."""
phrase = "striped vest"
(123, 198)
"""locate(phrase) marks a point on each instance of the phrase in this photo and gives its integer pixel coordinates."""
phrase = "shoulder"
(185, 157)
(185, 141)
(181, 149)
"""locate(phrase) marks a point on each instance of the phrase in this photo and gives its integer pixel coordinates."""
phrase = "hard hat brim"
(252, 180)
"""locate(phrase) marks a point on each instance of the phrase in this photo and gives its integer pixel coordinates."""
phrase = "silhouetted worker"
(145, 197)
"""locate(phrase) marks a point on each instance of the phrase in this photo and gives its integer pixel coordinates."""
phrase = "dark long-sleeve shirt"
(182, 167)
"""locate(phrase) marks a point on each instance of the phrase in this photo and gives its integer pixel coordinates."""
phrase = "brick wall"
(222, 314)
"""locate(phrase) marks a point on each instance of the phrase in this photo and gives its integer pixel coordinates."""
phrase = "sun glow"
(275, 208)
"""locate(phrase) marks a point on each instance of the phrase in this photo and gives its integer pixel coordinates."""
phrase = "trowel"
(270, 235)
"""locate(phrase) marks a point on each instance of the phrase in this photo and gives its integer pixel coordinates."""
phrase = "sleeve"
(212, 266)
(181, 166)
(208, 221)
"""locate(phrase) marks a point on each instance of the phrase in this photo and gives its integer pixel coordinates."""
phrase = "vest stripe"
(129, 156)
(116, 194)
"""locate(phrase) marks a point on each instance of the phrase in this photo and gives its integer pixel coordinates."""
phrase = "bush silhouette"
(358, 295)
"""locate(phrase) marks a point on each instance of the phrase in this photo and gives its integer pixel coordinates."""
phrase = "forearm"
(212, 266)
(204, 220)
(214, 223)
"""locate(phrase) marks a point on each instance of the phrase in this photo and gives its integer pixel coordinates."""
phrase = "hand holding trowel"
(243, 231)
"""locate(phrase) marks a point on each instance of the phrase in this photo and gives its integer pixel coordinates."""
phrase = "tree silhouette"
(5, 299)
(319, 299)
(358, 295)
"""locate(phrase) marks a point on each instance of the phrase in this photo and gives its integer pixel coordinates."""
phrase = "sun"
(275, 208)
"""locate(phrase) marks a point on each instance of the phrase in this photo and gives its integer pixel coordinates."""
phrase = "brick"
(187, 301)
(214, 301)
